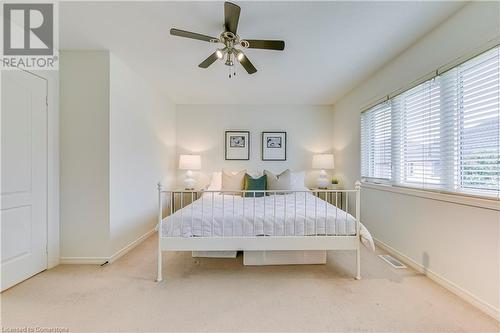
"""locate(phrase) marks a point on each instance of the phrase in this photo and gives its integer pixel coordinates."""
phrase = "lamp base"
(189, 182)
(323, 181)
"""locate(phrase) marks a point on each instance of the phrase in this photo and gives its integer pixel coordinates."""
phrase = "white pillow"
(298, 181)
(215, 181)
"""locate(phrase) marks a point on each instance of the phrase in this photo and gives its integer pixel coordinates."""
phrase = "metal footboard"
(259, 220)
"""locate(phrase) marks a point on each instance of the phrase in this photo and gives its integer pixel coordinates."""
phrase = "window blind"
(478, 86)
(418, 135)
(442, 134)
(376, 142)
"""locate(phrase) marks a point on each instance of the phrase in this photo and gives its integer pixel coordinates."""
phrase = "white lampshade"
(190, 162)
(323, 161)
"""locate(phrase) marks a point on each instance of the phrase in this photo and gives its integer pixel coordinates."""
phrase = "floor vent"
(392, 261)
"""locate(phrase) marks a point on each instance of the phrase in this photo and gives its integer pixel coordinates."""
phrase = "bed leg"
(159, 276)
(358, 263)
(358, 216)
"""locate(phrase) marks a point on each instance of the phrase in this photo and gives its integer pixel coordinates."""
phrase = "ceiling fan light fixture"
(219, 53)
(240, 56)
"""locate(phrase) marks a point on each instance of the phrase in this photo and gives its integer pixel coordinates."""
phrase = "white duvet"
(299, 214)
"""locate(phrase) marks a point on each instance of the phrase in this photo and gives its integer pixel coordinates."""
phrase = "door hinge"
(46, 248)
(47, 101)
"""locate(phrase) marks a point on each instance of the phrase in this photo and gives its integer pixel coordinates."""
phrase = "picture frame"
(237, 145)
(274, 146)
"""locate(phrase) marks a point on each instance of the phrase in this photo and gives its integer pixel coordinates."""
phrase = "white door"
(24, 176)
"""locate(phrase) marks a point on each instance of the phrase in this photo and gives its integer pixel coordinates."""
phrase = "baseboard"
(457, 290)
(102, 260)
(130, 246)
(82, 260)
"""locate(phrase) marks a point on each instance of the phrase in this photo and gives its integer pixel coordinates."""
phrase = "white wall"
(458, 243)
(142, 152)
(117, 142)
(84, 151)
(200, 130)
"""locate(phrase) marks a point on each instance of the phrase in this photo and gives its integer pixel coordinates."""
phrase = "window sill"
(461, 199)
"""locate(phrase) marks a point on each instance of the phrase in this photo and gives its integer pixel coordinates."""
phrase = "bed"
(260, 221)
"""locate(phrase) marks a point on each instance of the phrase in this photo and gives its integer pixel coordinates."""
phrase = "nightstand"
(181, 199)
(335, 198)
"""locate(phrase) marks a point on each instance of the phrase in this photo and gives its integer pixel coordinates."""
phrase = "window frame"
(451, 180)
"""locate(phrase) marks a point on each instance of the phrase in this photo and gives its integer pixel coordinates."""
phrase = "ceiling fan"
(231, 41)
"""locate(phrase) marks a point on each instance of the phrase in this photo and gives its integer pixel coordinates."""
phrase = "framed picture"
(274, 146)
(237, 145)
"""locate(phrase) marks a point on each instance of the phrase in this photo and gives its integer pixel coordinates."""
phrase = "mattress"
(295, 214)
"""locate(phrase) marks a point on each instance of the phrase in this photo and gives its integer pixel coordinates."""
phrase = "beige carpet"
(224, 295)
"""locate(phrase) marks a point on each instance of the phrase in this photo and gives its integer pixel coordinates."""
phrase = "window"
(418, 135)
(442, 134)
(376, 142)
(478, 86)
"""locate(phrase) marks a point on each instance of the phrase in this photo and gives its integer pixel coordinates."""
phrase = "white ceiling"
(330, 46)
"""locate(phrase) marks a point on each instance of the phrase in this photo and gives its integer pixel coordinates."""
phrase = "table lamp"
(323, 162)
(189, 163)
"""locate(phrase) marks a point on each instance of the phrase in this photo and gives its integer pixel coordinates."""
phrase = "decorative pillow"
(281, 182)
(233, 181)
(255, 174)
(299, 181)
(215, 181)
(255, 184)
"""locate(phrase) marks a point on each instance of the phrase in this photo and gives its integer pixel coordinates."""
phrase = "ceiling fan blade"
(231, 16)
(247, 64)
(193, 35)
(210, 60)
(278, 45)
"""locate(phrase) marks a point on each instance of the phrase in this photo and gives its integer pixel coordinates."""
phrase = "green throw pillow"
(255, 184)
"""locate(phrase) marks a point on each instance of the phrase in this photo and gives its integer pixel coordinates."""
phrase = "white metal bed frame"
(259, 243)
